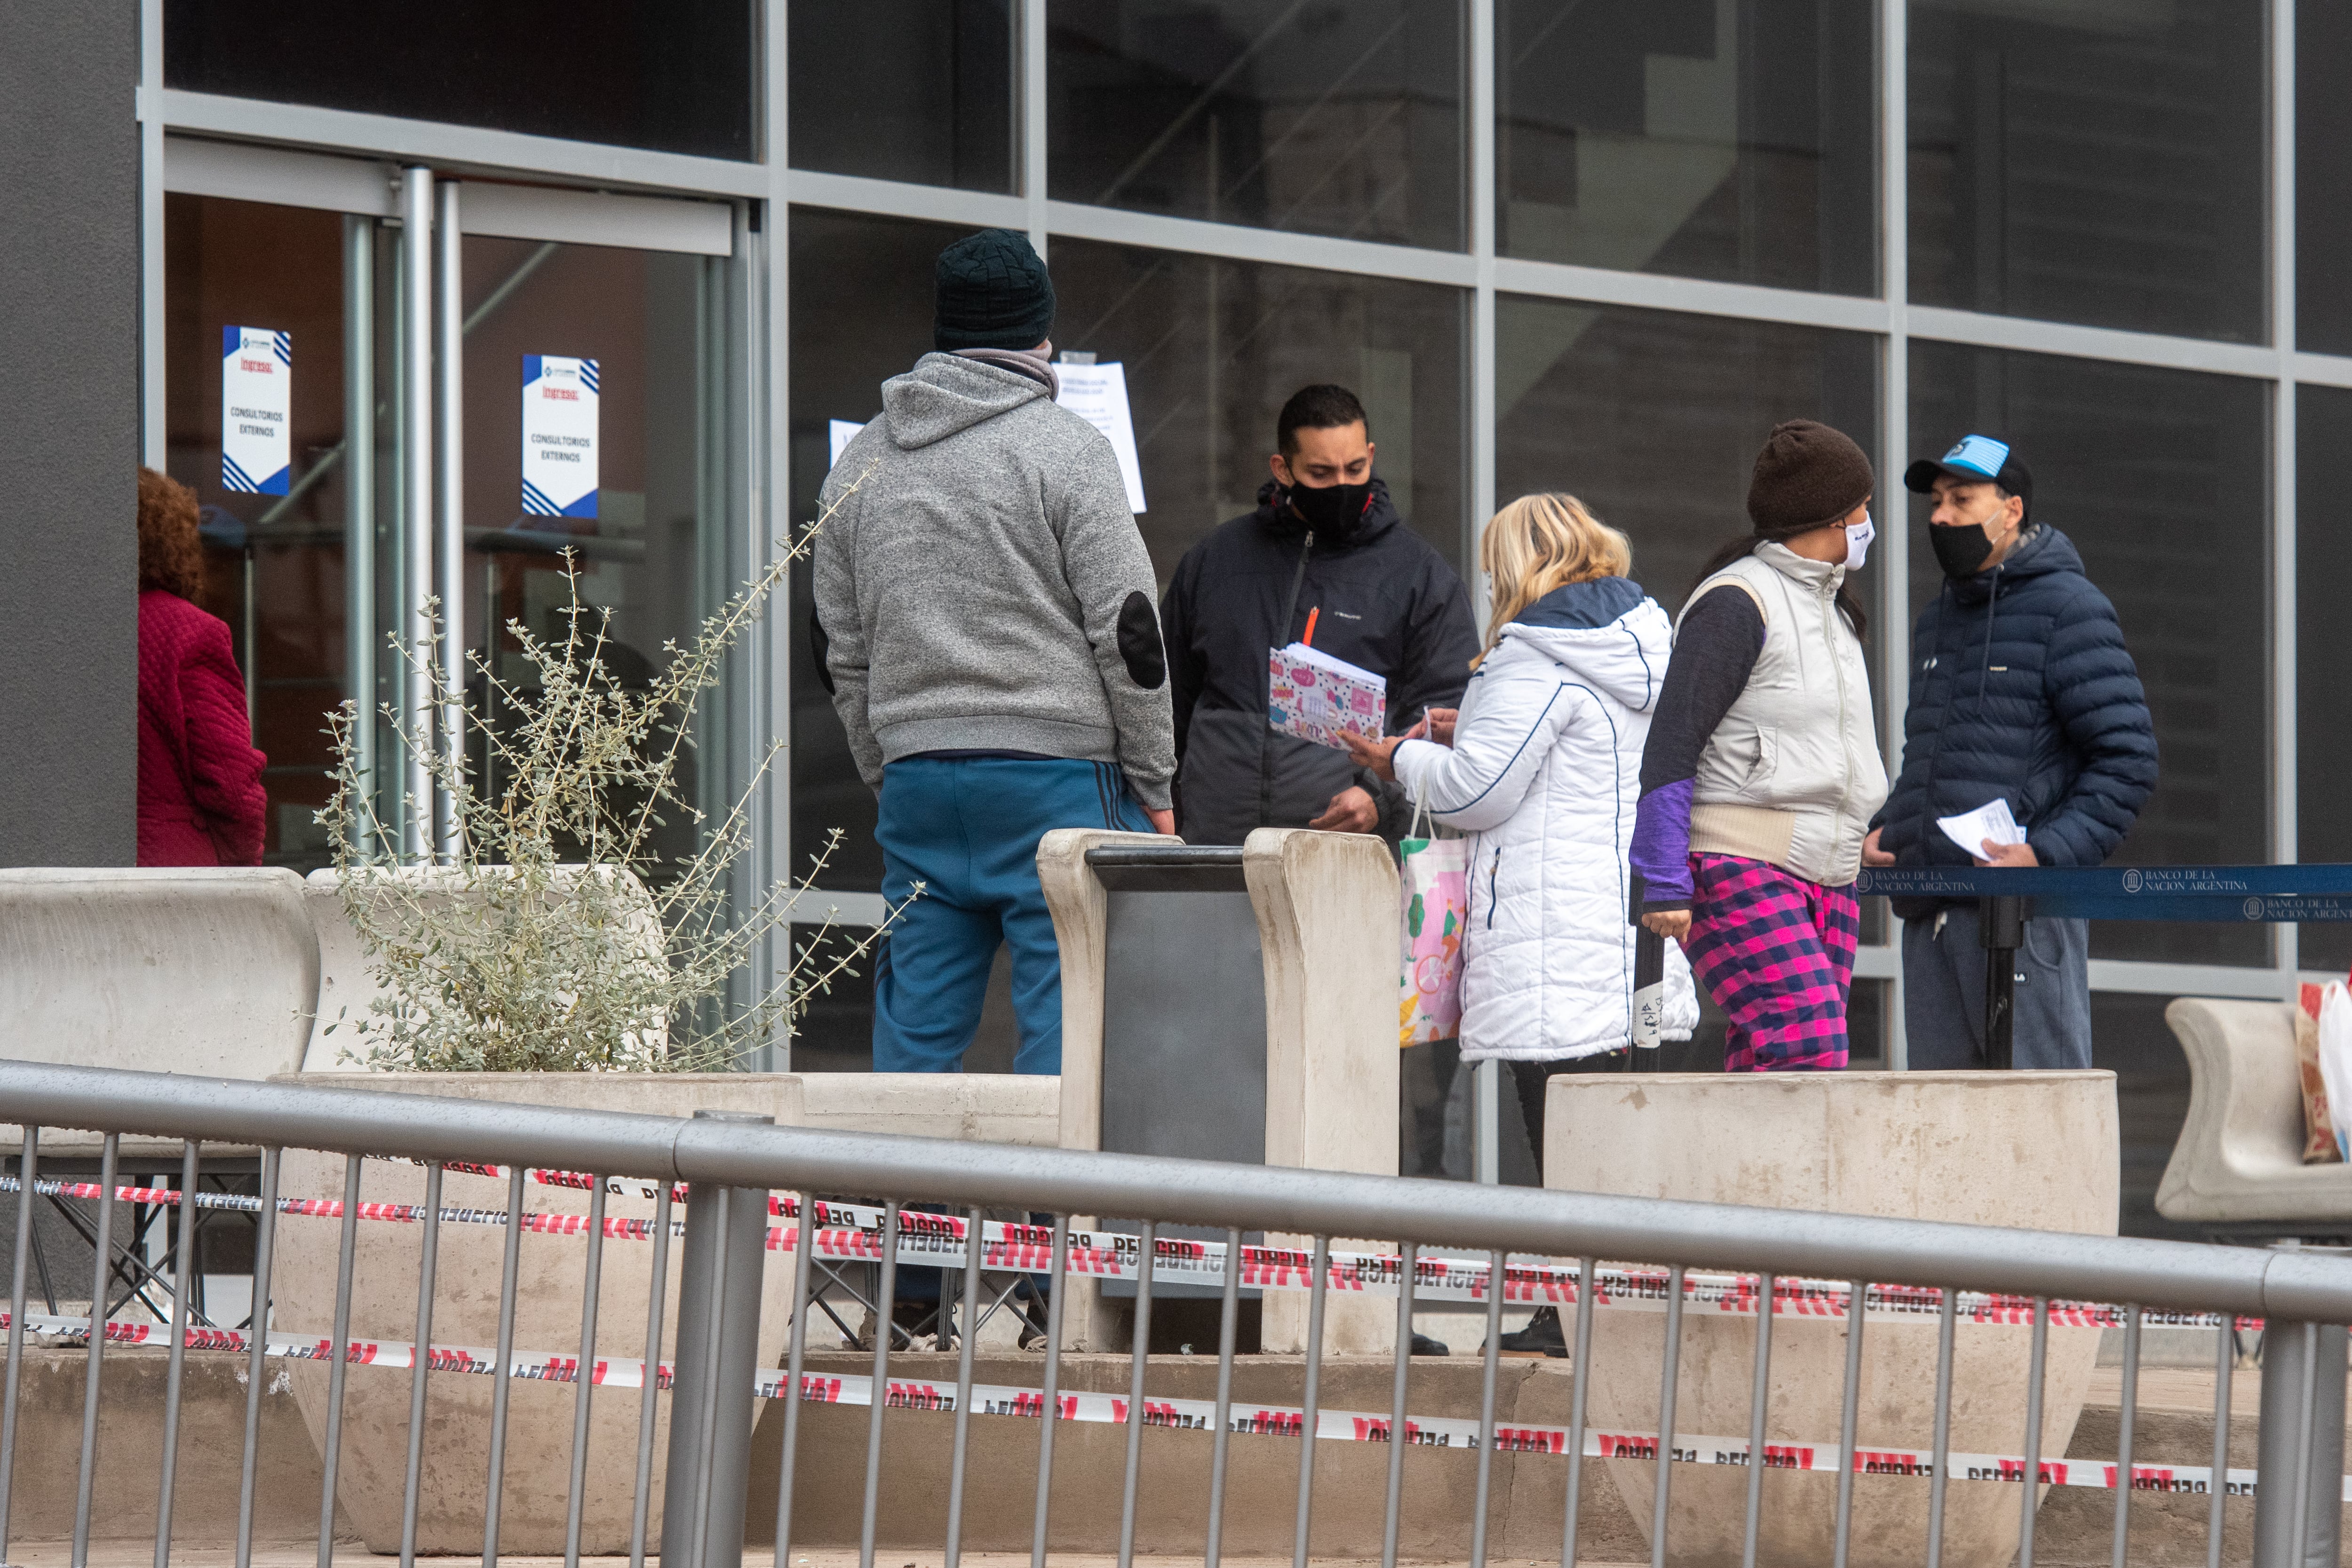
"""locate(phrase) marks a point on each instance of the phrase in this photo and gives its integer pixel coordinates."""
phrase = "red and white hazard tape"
(1201, 1415)
(852, 1233)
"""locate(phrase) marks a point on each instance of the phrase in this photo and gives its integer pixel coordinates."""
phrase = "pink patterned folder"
(1315, 696)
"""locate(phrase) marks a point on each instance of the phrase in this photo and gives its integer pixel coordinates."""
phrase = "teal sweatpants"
(967, 828)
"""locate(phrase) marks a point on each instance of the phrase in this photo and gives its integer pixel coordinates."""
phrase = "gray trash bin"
(1183, 1057)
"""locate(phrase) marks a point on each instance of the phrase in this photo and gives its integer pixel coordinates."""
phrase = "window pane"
(1343, 118)
(2091, 161)
(2160, 479)
(635, 73)
(2131, 1038)
(2323, 217)
(1727, 139)
(906, 89)
(861, 313)
(1654, 419)
(1214, 350)
(2323, 565)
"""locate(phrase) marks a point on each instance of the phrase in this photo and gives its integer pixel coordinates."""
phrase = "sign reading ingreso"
(256, 407)
(559, 436)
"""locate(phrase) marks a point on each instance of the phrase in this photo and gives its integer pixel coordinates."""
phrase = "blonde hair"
(1540, 542)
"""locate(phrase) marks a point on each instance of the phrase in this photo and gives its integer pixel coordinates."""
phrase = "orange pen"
(1307, 638)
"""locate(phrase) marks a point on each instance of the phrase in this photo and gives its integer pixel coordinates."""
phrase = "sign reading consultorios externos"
(559, 436)
(256, 404)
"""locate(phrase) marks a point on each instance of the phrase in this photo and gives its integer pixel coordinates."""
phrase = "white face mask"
(1857, 542)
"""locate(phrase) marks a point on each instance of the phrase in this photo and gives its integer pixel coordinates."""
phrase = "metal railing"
(737, 1173)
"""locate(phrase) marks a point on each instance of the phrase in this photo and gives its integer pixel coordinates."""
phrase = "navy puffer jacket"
(2022, 689)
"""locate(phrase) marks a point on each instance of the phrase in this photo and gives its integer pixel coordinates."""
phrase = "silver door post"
(449, 576)
(359, 494)
(416, 509)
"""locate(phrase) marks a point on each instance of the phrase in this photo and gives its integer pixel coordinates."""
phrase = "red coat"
(201, 802)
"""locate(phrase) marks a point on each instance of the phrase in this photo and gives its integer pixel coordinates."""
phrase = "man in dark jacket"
(2022, 691)
(1324, 541)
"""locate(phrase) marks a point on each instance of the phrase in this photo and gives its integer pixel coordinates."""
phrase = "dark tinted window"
(861, 313)
(1653, 418)
(2095, 161)
(1342, 117)
(676, 77)
(906, 89)
(2323, 565)
(2323, 178)
(1214, 349)
(2161, 478)
(1730, 141)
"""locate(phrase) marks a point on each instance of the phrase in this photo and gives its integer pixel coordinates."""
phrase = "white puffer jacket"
(1544, 773)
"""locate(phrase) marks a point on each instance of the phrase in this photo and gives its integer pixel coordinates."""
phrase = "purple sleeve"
(1714, 651)
(1661, 848)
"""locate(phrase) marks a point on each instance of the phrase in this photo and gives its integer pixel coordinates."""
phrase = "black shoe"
(1424, 1345)
(1542, 1336)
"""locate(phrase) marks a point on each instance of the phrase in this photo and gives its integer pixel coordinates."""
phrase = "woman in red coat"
(200, 797)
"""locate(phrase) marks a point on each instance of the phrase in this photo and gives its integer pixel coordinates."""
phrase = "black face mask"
(1960, 550)
(1333, 512)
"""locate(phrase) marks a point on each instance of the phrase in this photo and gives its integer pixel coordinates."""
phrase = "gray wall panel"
(68, 433)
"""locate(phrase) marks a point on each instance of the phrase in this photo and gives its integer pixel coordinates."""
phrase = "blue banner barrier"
(2240, 894)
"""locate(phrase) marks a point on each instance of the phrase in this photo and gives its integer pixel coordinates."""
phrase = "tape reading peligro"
(851, 1233)
(1275, 1421)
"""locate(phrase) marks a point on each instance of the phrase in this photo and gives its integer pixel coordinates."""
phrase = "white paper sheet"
(1971, 828)
(840, 431)
(1098, 394)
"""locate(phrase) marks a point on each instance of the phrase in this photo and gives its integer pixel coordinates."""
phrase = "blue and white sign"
(559, 436)
(256, 408)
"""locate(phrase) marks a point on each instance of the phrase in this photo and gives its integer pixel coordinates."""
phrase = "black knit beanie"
(1807, 475)
(993, 293)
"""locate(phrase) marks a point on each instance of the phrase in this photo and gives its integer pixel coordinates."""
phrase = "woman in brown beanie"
(201, 802)
(1762, 770)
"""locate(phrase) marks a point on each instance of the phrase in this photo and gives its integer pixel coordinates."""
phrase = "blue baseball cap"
(1973, 459)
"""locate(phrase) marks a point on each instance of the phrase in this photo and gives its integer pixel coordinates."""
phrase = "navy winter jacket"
(2022, 689)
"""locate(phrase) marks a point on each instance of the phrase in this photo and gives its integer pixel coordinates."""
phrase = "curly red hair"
(171, 556)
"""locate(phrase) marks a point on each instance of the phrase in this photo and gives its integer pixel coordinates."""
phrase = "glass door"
(596, 414)
(281, 414)
(311, 405)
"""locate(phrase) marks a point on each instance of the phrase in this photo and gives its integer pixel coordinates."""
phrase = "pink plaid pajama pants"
(1776, 952)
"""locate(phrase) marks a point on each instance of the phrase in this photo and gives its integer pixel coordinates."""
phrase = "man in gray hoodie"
(995, 655)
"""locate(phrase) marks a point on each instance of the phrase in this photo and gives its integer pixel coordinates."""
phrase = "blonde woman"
(1542, 766)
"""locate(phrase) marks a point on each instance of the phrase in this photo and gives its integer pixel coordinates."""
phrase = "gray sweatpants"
(1943, 992)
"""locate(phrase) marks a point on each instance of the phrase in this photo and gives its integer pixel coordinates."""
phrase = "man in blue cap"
(2021, 692)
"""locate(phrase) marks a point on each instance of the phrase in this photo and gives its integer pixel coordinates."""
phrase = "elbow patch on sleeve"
(1138, 642)
(819, 645)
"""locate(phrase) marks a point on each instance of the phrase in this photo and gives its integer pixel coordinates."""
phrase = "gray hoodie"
(985, 588)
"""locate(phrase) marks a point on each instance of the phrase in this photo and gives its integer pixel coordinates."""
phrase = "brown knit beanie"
(1807, 475)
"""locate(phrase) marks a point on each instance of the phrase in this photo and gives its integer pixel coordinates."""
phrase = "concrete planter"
(2034, 1149)
(549, 1283)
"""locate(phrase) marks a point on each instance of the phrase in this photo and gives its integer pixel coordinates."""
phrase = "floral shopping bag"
(1437, 905)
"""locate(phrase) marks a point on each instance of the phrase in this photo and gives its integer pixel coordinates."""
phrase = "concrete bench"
(210, 971)
(2239, 1158)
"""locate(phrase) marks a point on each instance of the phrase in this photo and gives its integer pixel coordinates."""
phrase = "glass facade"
(1729, 139)
(920, 91)
(1342, 119)
(2066, 163)
(2091, 161)
(635, 73)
